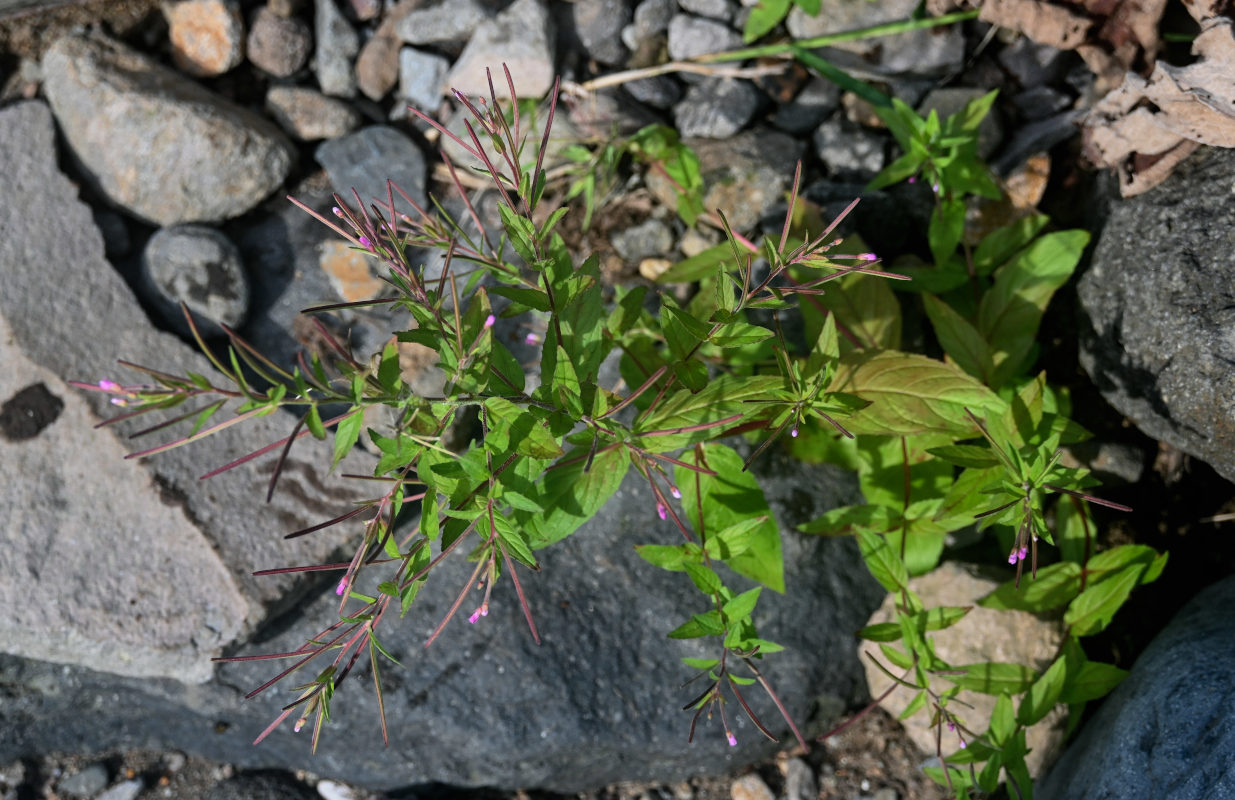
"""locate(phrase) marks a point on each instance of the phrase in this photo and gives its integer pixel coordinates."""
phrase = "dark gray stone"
(691, 36)
(192, 156)
(649, 238)
(748, 175)
(1035, 138)
(1032, 64)
(849, 150)
(817, 101)
(652, 17)
(337, 46)
(721, 10)
(1040, 102)
(200, 267)
(1168, 730)
(926, 52)
(599, 23)
(366, 159)
(716, 108)
(658, 91)
(261, 785)
(1158, 333)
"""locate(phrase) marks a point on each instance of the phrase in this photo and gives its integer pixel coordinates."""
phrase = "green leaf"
(865, 306)
(947, 225)
(705, 578)
(1094, 608)
(727, 396)
(1003, 720)
(732, 497)
(740, 607)
(883, 562)
(516, 546)
(966, 455)
(573, 496)
(700, 663)
(739, 334)
(1091, 681)
(994, 678)
(763, 18)
(910, 394)
(389, 374)
(960, 339)
(313, 419)
(1001, 244)
(527, 298)
(900, 169)
(851, 519)
(1044, 694)
(881, 632)
(513, 429)
(346, 434)
(1054, 586)
(670, 557)
(521, 231)
(708, 624)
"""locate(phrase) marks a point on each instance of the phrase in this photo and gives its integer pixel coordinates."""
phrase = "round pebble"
(200, 267)
(207, 36)
(279, 45)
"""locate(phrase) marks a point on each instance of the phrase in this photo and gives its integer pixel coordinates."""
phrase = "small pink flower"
(489, 320)
(475, 616)
(793, 432)
(869, 257)
(531, 340)
(342, 587)
(951, 725)
(366, 243)
(676, 492)
(338, 212)
(119, 401)
(661, 510)
(109, 386)
(484, 609)
(964, 744)
(913, 179)
(1012, 557)
(733, 740)
(1023, 553)
(299, 724)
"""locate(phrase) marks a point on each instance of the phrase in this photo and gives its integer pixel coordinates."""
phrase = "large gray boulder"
(155, 143)
(1168, 731)
(1158, 319)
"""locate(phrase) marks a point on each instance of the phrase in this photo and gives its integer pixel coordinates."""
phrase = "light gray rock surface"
(1158, 310)
(443, 22)
(365, 160)
(278, 45)
(691, 36)
(157, 563)
(308, 115)
(523, 38)
(421, 79)
(599, 24)
(189, 155)
(337, 44)
(199, 266)
(849, 150)
(716, 108)
(1168, 730)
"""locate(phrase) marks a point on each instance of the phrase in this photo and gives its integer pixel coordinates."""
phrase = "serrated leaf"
(1054, 586)
(726, 396)
(573, 496)
(883, 562)
(848, 520)
(705, 578)
(514, 429)
(911, 394)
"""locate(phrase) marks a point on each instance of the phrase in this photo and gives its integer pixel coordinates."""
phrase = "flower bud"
(489, 320)
(366, 243)
(793, 432)
(675, 491)
(733, 740)
(342, 587)
(109, 386)
(661, 510)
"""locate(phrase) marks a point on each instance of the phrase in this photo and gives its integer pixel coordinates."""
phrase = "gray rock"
(127, 790)
(1040, 102)
(337, 46)
(750, 787)
(522, 38)
(1157, 336)
(948, 101)
(691, 36)
(206, 36)
(421, 79)
(277, 44)
(716, 108)
(652, 17)
(1032, 64)
(366, 159)
(649, 238)
(191, 156)
(86, 783)
(599, 25)
(1167, 731)
(849, 150)
(817, 101)
(200, 267)
(443, 22)
(308, 115)
(658, 91)
(722, 10)
(800, 781)
(748, 175)
(264, 785)
(925, 52)
(160, 579)
(607, 111)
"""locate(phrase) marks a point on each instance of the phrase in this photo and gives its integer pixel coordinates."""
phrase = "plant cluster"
(939, 444)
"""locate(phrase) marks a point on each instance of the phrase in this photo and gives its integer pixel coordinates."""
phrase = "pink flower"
(661, 510)
(475, 616)
(366, 243)
(119, 401)
(489, 320)
(733, 740)
(342, 587)
(338, 212)
(531, 340)
(110, 386)
(869, 257)
(793, 432)
(677, 493)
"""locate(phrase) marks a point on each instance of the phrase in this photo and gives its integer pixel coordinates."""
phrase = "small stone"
(649, 238)
(1032, 64)
(200, 267)
(816, 102)
(308, 115)
(333, 790)
(285, 8)
(886, 793)
(278, 45)
(365, 159)
(653, 268)
(337, 45)
(722, 10)
(129, 790)
(652, 17)
(849, 150)
(174, 761)
(421, 76)
(861, 111)
(521, 38)
(207, 36)
(750, 787)
(695, 242)
(86, 783)
(377, 66)
(951, 100)
(350, 271)
(716, 108)
(800, 781)
(691, 36)
(444, 22)
(599, 25)
(1040, 102)
(658, 91)
(365, 10)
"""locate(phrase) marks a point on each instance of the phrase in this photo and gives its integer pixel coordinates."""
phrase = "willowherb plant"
(939, 445)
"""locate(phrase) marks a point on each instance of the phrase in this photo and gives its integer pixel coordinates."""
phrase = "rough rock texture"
(444, 22)
(1158, 329)
(716, 108)
(207, 36)
(190, 156)
(277, 44)
(691, 36)
(522, 38)
(309, 115)
(367, 158)
(199, 266)
(337, 45)
(982, 635)
(1167, 730)
(117, 536)
(599, 25)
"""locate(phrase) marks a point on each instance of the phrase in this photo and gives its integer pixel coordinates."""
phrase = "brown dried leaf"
(1043, 22)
